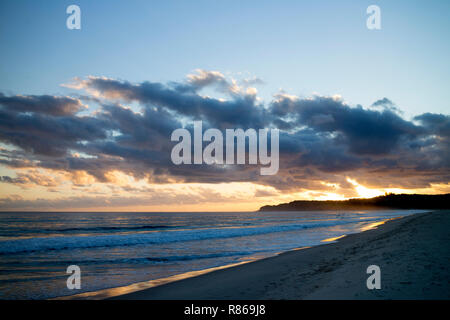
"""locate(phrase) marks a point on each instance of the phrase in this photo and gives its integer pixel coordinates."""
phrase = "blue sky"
(299, 46)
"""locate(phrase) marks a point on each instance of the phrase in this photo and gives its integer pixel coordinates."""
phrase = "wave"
(142, 260)
(168, 236)
(121, 228)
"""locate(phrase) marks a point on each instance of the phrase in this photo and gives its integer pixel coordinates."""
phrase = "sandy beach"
(413, 254)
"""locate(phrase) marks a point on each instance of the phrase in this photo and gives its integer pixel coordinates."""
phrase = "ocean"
(118, 249)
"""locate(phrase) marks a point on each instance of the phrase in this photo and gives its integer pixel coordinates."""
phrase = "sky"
(86, 115)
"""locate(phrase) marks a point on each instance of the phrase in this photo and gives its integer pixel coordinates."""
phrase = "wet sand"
(412, 252)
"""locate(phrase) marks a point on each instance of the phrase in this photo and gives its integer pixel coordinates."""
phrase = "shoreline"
(325, 271)
(412, 253)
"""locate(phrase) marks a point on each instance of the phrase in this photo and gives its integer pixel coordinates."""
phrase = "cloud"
(44, 104)
(387, 104)
(205, 78)
(438, 124)
(32, 178)
(383, 102)
(141, 197)
(182, 99)
(46, 134)
(321, 138)
(363, 131)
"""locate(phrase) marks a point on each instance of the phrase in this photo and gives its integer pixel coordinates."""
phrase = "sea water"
(117, 249)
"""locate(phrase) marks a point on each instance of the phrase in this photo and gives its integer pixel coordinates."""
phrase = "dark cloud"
(45, 104)
(435, 123)
(363, 131)
(241, 110)
(321, 138)
(49, 135)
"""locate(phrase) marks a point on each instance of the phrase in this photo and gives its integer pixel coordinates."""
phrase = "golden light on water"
(333, 239)
(373, 225)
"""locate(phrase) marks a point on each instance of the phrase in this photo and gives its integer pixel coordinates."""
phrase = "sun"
(364, 192)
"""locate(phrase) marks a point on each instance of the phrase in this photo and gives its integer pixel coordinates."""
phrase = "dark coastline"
(390, 201)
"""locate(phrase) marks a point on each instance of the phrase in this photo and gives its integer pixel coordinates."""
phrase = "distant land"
(389, 201)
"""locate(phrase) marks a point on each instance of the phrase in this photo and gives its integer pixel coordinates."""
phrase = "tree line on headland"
(388, 201)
